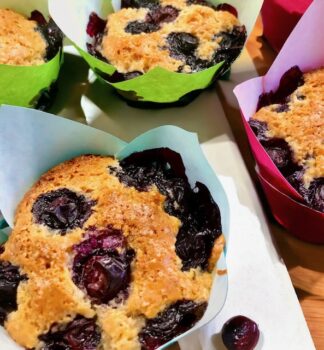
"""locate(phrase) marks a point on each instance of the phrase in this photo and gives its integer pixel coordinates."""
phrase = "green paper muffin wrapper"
(23, 85)
(158, 85)
(39, 141)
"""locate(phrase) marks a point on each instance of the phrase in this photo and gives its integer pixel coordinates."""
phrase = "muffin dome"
(21, 43)
(178, 35)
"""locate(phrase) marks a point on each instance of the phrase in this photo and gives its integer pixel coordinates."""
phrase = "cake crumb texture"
(20, 41)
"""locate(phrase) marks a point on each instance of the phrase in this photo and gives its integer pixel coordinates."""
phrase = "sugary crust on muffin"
(43, 300)
(120, 329)
(302, 126)
(20, 41)
(142, 52)
(49, 295)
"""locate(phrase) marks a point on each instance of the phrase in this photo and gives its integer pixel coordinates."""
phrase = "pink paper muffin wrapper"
(303, 48)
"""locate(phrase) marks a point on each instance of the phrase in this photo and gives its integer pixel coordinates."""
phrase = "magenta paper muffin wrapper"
(303, 48)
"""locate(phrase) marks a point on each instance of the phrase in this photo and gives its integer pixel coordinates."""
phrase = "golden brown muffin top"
(142, 52)
(20, 41)
(49, 295)
(302, 125)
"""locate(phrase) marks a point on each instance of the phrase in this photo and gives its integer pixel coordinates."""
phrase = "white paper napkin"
(259, 288)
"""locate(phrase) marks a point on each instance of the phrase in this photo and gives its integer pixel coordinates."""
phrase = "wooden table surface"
(305, 262)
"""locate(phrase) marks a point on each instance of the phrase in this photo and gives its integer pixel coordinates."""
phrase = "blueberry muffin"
(27, 41)
(109, 255)
(179, 35)
(289, 124)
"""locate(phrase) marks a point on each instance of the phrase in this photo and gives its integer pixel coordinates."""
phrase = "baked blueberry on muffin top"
(178, 35)
(27, 41)
(289, 124)
(109, 255)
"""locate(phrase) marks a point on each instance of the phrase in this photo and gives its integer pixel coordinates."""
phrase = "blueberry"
(143, 169)
(259, 128)
(95, 29)
(296, 180)
(54, 37)
(315, 194)
(9, 282)
(197, 64)
(176, 319)
(233, 40)
(109, 239)
(132, 75)
(278, 149)
(289, 82)
(80, 334)
(138, 27)
(282, 108)
(153, 19)
(62, 209)
(201, 225)
(279, 152)
(50, 31)
(105, 276)
(38, 17)
(240, 333)
(230, 47)
(181, 43)
(3, 315)
(93, 50)
(102, 265)
(96, 25)
(266, 99)
(162, 15)
(46, 97)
